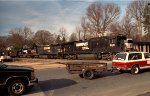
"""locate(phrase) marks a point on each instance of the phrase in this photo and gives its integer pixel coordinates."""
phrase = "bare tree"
(84, 27)
(146, 22)
(62, 32)
(100, 17)
(16, 40)
(146, 18)
(136, 10)
(43, 37)
(128, 25)
(78, 30)
(146, 37)
(58, 39)
(94, 14)
(20, 37)
(115, 28)
(73, 37)
(110, 15)
(3, 42)
(27, 35)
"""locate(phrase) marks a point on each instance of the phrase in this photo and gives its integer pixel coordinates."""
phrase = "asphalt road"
(57, 82)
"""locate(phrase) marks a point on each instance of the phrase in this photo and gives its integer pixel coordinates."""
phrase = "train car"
(56, 51)
(83, 51)
(28, 52)
(14, 53)
(102, 47)
(76, 50)
(5, 55)
(43, 51)
(69, 50)
(142, 46)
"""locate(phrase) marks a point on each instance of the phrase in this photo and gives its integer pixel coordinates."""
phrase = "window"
(130, 41)
(120, 56)
(147, 55)
(135, 56)
(111, 41)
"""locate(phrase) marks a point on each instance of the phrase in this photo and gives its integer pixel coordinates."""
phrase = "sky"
(46, 14)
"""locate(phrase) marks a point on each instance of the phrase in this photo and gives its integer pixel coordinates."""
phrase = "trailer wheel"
(88, 74)
(81, 75)
(135, 69)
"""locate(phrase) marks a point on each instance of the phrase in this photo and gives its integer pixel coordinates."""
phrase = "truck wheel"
(81, 75)
(16, 88)
(88, 74)
(135, 69)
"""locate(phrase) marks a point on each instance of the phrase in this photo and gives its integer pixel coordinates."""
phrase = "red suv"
(132, 61)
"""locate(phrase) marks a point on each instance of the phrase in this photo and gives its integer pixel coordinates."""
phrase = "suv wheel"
(17, 87)
(135, 69)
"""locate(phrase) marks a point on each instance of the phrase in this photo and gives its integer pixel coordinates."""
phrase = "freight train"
(95, 48)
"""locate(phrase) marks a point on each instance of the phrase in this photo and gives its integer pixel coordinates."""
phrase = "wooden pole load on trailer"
(85, 70)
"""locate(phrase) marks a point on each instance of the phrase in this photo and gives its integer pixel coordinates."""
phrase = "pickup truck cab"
(132, 61)
(16, 79)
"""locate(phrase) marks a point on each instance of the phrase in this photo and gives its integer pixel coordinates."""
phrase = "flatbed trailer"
(85, 70)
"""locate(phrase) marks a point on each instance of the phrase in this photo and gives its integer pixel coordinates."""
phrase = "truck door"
(147, 57)
(2, 74)
(136, 58)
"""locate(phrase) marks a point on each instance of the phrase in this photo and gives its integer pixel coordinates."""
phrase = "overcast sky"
(46, 14)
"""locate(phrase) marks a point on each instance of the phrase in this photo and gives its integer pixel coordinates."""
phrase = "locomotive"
(95, 48)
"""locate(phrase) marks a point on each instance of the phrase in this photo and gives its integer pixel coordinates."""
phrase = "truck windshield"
(120, 56)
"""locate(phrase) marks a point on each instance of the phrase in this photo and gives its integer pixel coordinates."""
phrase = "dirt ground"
(37, 64)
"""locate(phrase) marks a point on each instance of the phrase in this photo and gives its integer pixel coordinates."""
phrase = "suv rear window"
(147, 55)
(120, 56)
(135, 56)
